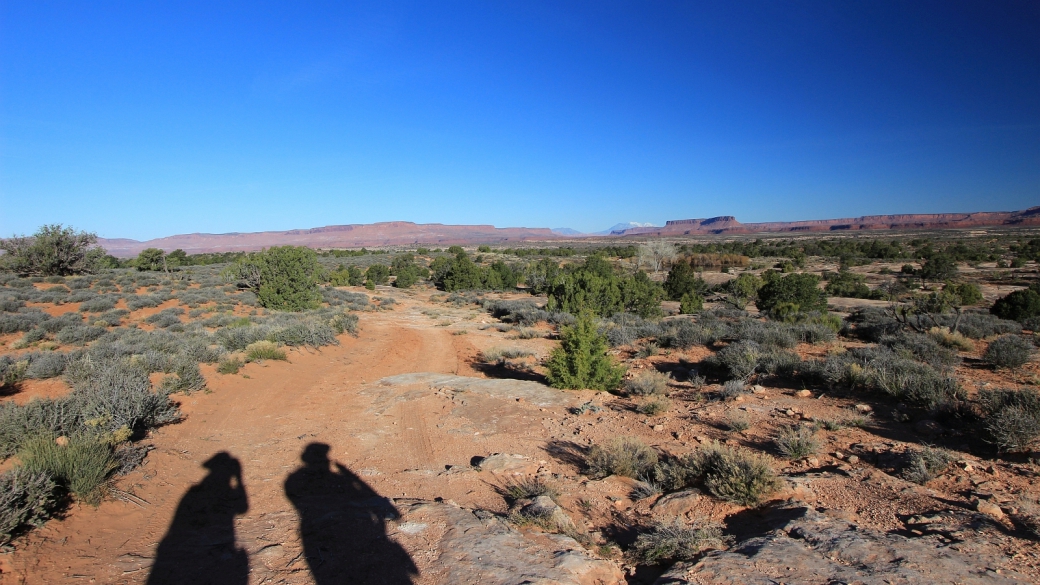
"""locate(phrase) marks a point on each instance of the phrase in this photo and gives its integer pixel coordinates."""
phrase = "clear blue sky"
(144, 119)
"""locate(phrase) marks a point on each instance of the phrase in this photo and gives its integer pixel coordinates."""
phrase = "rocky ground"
(388, 458)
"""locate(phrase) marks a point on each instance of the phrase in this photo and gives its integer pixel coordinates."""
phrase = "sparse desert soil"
(410, 440)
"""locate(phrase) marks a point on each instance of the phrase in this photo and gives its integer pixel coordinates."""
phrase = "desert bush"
(926, 464)
(1012, 417)
(1018, 306)
(79, 334)
(796, 442)
(872, 324)
(734, 473)
(146, 301)
(45, 365)
(282, 277)
(923, 348)
(83, 296)
(229, 366)
(815, 333)
(62, 322)
(32, 336)
(185, 376)
(351, 300)
(646, 383)
(624, 456)
(52, 250)
(81, 464)
(1027, 515)
(765, 334)
(739, 359)
(691, 303)
(166, 317)
(499, 355)
(27, 500)
(10, 305)
(12, 372)
(99, 304)
(344, 323)
(115, 394)
(264, 350)
(733, 388)
(23, 320)
(737, 421)
(520, 312)
(311, 333)
(581, 360)
(906, 379)
(654, 406)
(779, 362)
(1008, 351)
(112, 318)
(674, 540)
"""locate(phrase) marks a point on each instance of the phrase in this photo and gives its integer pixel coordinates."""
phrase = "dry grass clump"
(499, 355)
(624, 456)
(926, 464)
(955, 340)
(654, 406)
(1012, 417)
(737, 421)
(796, 442)
(80, 463)
(674, 540)
(647, 383)
(733, 473)
(530, 487)
(230, 365)
(264, 350)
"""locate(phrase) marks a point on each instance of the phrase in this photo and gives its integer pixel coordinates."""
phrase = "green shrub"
(377, 274)
(735, 474)
(968, 293)
(848, 284)
(793, 293)
(1018, 306)
(646, 383)
(581, 360)
(674, 540)
(82, 465)
(691, 303)
(926, 464)
(27, 500)
(624, 456)
(52, 250)
(1008, 351)
(683, 280)
(185, 376)
(283, 277)
(1012, 417)
(264, 350)
(796, 442)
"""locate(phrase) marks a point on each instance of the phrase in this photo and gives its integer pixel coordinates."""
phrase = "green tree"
(177, 258)
(152, 259)
(743, 289)
(968, 292)
(377, 274)
(938, 267)
(283, 277)
(1018, 306)
(848, 284)
(642, 296)
(792, 293)
(581, 360)
(462, 274)
(53, 250)
(691, 303)
(683, 279)
(406, 271)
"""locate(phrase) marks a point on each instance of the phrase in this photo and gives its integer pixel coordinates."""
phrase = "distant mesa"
(405, 233)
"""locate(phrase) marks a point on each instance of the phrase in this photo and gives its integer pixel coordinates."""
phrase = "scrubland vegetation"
(938, 330)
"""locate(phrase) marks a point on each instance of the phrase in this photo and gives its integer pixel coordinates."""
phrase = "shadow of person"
(200, 545)
(342, 525)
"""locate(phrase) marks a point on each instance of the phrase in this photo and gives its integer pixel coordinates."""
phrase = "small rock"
(863, 408)
(990, 509)
(676, 504)
(756, 389)
(992, 470)
(813, 462)
(790, 412)
(839, 455)
(658, 428)
(62, 441)
(502, 462)
(853, 459)
(803, 394)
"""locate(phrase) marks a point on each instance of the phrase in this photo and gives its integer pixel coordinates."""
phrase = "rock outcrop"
(813, 548)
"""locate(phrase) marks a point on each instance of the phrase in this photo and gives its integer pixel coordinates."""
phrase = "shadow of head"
(316, 455)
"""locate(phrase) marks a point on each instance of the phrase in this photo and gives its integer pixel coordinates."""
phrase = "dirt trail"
(264, 420)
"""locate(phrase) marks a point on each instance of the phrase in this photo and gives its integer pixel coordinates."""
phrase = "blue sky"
(145, 119)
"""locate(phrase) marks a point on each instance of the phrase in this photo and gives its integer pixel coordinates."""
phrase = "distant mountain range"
(404, 233)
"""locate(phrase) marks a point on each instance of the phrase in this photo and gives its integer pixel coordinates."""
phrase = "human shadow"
(200, 545)
(342, 524)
